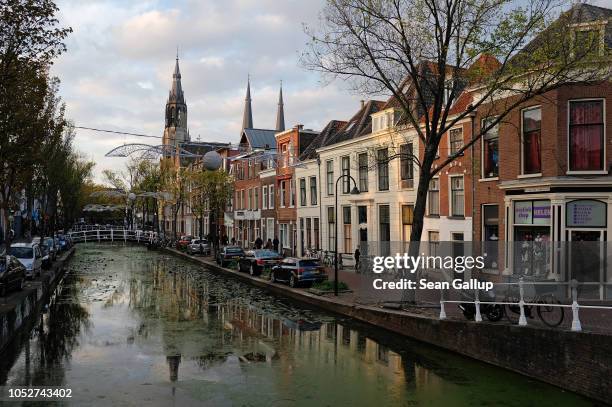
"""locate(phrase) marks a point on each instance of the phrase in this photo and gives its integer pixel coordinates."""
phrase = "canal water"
(129, 326)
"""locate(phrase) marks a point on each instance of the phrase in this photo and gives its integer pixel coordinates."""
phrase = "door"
(587, 261)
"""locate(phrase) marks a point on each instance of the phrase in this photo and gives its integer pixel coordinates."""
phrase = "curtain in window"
(586, 141)
(532, 152)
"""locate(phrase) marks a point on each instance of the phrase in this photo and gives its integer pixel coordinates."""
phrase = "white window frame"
(482, 144)
(428, 189)
(595, 172)
(272, 197)
(450, 194)
(522, 158)
(264, 197)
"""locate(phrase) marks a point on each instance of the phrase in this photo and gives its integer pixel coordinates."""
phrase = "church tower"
(175, 128)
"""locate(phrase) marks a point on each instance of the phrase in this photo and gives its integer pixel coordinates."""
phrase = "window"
(331, 230)
(284, 234)
(283, 194)
(250, 202)
(309, 233)
(383, 169)
(271, 206)
(490, 150)
(433, 236)
(384, 229)
(329, 165)
(457, 196)
(315, 231)
(433, 198)
(346, 172)
(292, 192)
(407, 216)
(243, 198)
(256, 206)
(586, 135)
(455, 137)
(346, 222)
(490, 220)
(313, 190)
(303, 191)
(406, 162)
(588, 40)
(531, 124)
(363, 172)
(448, 92)
(264, 197)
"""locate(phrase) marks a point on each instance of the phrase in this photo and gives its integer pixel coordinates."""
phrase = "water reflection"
(131, 326)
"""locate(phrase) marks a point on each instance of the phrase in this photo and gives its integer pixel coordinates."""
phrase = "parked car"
(50, 243)
(64, 244)
(30, 256)
(228, 254)
(12, 274)
(256, 261)
(183, 242)
(46, 256)
(297, 271)
(198, 246)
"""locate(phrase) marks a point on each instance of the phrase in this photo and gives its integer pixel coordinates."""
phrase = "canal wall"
(577, 361)
(20, 306)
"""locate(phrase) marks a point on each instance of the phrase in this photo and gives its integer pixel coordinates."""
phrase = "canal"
(129, 326)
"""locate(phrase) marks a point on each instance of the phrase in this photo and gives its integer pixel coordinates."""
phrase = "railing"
(80, 228)
(111, 235)
(576, 325)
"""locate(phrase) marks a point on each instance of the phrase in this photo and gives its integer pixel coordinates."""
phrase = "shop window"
(407, 216)
(532, 228)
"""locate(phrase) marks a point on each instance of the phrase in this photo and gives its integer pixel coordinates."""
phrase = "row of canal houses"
(543, 174)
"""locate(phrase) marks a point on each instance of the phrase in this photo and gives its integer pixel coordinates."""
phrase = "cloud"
(118, 68)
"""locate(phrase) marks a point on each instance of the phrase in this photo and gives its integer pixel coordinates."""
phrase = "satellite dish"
(212, 161)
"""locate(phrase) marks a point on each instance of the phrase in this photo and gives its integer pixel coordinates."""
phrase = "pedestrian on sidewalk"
(258, 243)
(275, 243)
(357, 256)
(269, 244)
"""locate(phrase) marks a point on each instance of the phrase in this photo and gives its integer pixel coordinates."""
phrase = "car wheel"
(293, 281)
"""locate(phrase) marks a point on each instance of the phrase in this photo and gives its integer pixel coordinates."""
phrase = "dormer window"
(588, 39)
(448, 91)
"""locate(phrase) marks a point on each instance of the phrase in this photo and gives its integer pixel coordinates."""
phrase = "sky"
(118, 69)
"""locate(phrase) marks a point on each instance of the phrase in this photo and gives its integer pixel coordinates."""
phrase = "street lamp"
(354, 191)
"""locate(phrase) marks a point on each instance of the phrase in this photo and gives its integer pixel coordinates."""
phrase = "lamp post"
(354, 191)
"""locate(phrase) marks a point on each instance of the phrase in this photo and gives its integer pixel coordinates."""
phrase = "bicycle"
(328, 259)
(551, 315)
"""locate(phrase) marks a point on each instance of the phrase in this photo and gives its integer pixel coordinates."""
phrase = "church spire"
(176, 92)
(280, 113)
(247, 118)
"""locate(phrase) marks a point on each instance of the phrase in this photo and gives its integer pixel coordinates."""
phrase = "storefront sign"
(586, 213)
(532, 212)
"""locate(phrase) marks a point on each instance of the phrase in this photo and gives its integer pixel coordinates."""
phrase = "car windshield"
(309, 263)
(266, 254)
(21, 252)
(233, 250)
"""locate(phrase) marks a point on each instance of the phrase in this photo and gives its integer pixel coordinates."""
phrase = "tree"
(425, 54)
(29, 41)
(210, 192)
(174, 182)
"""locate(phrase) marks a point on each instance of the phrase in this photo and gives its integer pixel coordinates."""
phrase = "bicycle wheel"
(549, 314)
(512, 311)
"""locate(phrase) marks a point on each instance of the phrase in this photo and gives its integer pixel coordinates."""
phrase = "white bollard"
(576, 325)
(478, 317)
(522, 319)
(442, 310)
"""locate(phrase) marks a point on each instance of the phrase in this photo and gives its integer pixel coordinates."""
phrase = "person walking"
(258, 243)
(357, 256)
(275, 243)
(269, 244)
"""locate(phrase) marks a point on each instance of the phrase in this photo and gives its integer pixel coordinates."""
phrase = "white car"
(198, 246)
(30, 255)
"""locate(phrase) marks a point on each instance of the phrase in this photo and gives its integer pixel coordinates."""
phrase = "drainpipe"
(320, 186)
(472, 117)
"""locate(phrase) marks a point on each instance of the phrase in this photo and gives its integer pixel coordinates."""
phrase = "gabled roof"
(360, 124)
(322, 139)
(258, 138)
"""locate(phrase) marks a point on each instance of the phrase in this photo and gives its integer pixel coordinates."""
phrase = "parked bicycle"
(548, 312)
